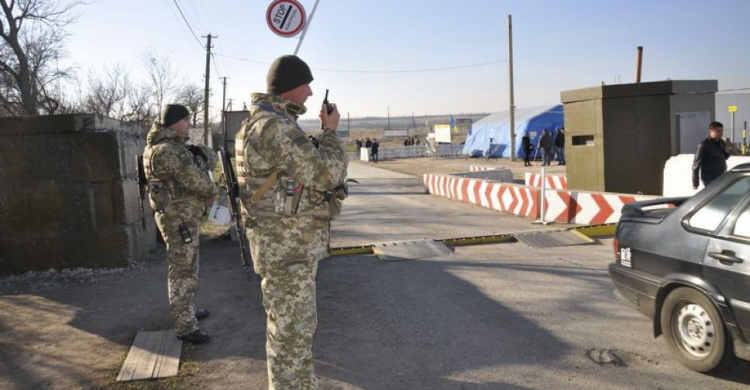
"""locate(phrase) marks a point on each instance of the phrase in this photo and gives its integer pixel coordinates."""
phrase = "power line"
(242, 59)
(188, 24)
(734, 90)
(208, 16)
(216, 65)
(414, 70)
(376, 71)
(190, 9)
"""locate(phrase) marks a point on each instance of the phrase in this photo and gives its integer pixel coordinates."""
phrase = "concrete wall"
(618, 137)
(233, 120)
(70, 196)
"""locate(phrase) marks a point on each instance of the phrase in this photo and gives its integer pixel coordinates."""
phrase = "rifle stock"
(142, 184)
(230, 184)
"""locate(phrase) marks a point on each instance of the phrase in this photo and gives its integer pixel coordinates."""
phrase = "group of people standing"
(372, 147)
(289, 188)
(552, 148)
(411, 141)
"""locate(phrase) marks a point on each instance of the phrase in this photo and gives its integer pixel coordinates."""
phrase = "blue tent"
(492, 133)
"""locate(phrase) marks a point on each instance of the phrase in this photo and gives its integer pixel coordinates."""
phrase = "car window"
(712, 214)
(742, 227)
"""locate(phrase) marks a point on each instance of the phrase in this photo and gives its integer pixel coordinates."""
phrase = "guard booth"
(618, 137)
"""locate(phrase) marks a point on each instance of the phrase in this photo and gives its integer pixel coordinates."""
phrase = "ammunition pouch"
(158, 195)
(286, 199)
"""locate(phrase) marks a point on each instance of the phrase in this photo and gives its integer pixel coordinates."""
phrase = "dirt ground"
(72, 329)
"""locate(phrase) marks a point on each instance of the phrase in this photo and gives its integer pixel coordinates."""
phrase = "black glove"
(200, 158)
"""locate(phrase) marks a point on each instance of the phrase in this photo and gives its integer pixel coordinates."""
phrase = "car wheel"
(694, 331)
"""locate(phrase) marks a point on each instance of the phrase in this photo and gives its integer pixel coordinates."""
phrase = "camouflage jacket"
(174, 176)
(289, 222)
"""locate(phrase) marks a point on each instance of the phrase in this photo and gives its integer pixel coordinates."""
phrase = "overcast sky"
(390, 56)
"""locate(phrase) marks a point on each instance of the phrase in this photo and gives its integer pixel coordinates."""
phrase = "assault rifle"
(229, 182)
(142, 184)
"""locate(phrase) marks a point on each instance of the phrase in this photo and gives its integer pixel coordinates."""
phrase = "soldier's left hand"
(329, 121)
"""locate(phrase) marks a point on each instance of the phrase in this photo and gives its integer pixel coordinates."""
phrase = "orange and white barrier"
(586, 208)
(477, 168)
(516, 199)
(554, 182)
(564, 206)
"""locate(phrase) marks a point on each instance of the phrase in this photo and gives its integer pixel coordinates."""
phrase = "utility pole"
(348, 122)
(389, 117)
(207, 139)
(224, 113)
(512, 105)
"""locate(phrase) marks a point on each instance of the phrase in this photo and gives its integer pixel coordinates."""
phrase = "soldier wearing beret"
(179, 187)
(290, 189)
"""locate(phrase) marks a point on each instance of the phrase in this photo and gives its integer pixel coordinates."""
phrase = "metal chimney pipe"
(638, 64)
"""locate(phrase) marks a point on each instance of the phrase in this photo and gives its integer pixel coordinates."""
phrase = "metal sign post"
(307, 25)
(732, 110)
(543, 209)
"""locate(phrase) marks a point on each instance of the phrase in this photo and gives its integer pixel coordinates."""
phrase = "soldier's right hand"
(329, 121)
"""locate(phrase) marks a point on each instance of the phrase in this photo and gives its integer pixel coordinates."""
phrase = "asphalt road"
(501, 316)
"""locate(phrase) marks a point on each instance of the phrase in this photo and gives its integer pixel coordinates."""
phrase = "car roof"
(741, 168)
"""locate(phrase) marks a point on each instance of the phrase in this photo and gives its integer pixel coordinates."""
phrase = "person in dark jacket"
(711, 156)
(375, 147)
(546, 144)
(526, 142)
(560, 146)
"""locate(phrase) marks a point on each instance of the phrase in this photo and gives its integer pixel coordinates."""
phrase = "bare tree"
(192, 97)
(142, 108)
(108, 92)
(164, 80)
(31, 43)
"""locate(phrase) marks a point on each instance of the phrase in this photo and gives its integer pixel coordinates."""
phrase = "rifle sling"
(265, 186)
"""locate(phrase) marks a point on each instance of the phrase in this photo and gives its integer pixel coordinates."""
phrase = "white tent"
(490, 136)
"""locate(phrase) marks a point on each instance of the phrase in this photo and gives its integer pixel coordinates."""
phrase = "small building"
(618, 137)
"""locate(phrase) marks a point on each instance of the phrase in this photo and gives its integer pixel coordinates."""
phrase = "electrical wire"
(216, 65)
(376, 71)
(187, 23)
(208, 16)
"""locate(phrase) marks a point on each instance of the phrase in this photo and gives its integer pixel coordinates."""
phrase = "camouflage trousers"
(182, 271)
(292, 318)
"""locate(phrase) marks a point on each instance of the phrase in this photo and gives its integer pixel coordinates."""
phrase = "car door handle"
(725, 257)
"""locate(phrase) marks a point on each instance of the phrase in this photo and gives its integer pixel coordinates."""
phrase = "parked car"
(685, 263)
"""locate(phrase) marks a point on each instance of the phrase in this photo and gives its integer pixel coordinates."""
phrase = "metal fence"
(416, 151)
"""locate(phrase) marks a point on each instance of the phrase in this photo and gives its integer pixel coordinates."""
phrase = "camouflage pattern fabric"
(270, 140)
(289, 293)
(178, 190)
(287, 242)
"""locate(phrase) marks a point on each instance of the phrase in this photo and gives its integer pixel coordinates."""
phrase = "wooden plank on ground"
(169, 363)
(154, 354)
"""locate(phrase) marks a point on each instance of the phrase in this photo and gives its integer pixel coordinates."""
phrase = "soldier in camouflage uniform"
(288, 191)
(179, 187)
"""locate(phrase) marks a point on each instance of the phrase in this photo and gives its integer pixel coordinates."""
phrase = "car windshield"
(712, 214)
